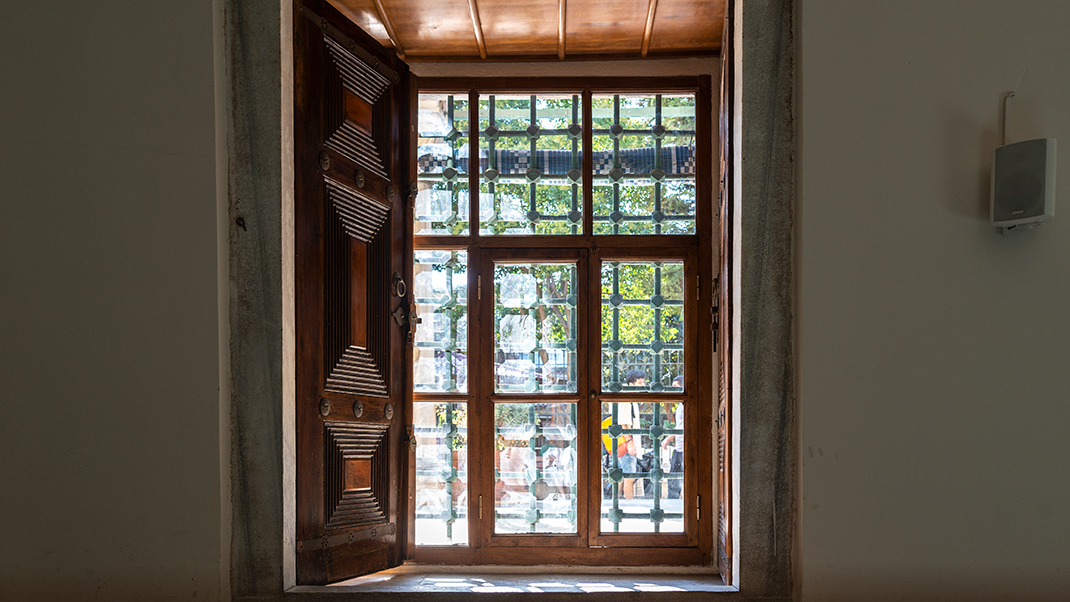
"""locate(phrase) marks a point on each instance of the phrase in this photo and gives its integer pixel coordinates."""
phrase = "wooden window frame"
(696, 546)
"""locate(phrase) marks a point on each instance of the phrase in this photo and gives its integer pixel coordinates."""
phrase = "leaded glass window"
(535, 467)
(535, 328)
(530, 159)
(642, 481)
(557, 314)
(440, 289)
(642, 325)
(441, 204)
(441, 431)
(644, 164)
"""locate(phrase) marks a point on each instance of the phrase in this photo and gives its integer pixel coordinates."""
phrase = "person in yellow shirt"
(627, 448)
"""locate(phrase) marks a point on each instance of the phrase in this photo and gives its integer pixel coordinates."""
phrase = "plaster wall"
(932, 359)
(109, 361)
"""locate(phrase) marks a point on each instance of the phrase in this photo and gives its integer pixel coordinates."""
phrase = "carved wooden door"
(352, 244)
(724, 315)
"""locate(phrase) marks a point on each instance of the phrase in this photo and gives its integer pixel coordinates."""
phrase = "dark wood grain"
(351, 154)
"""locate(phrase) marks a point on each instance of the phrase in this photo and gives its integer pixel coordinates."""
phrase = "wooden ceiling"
(473, 30)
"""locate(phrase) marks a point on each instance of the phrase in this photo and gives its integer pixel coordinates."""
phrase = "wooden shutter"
(724, 314)
(352, 107)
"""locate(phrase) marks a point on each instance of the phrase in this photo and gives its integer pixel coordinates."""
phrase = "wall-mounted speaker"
(1023, 184)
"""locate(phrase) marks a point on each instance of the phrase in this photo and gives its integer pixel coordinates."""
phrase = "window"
(264, 549)
(560, 373)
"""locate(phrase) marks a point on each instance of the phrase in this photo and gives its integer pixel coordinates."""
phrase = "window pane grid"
(442, 166)
(642, 326)
(646, 185)
(530, 162)
(641, 478)
(529, 180)
(535, 328)
(440, 290)
(535, 468)
(441, 431)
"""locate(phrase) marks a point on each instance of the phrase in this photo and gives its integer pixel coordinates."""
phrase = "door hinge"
(715, 313)
(480, 507)
(698, 507)
(479, 292)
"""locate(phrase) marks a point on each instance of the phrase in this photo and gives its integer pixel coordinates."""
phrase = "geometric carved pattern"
(356, 374)
(361, 215)
(356, 367)
(357, 474)
(349, 137)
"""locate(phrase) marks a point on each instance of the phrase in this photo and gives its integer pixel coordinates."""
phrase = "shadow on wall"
(968, 160)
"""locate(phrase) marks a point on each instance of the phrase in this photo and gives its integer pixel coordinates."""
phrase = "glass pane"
(530, 154)
(642, 467)
(644, 164)
(441, 473)
(442, 165)
(535, 328)
(440, 289)
(642, 326)
(535, 468)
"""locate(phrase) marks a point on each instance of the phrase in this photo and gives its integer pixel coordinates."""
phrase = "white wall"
(934, 353)
(109, 428)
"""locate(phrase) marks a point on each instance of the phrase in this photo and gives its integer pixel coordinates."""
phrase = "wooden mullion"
(440, 397)
(445, 242)
(476, 440)
(593, 390)
(644, 397)
(537, 398)
(567, 241)
(484, 404)
(584, 377)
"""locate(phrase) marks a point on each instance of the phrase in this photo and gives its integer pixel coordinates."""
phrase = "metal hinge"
(715, 311)
(480, 507)
(698, 507)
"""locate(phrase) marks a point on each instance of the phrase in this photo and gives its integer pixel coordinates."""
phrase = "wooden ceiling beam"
(561, 29)
(389, 29)
(649, 27)
(477, 25)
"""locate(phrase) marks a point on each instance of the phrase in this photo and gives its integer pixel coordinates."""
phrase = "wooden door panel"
(356, 275)
(724, 314)
(351, 115)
